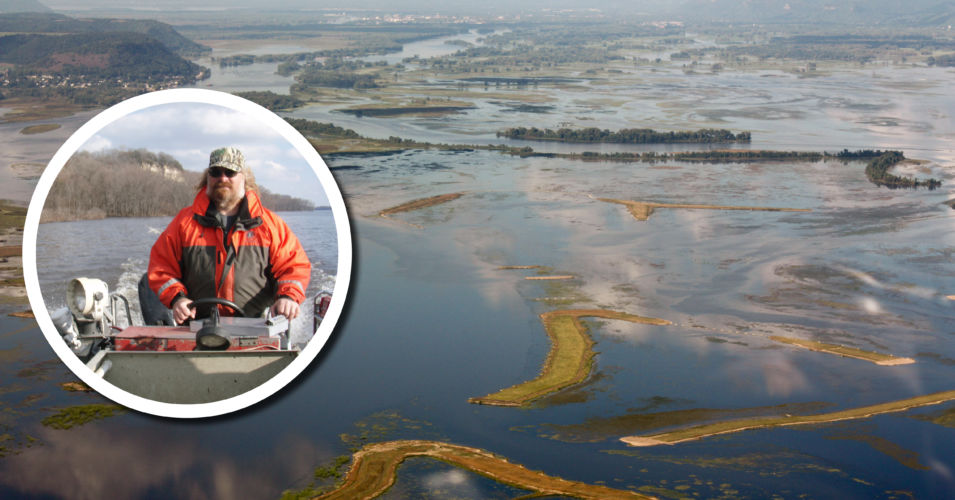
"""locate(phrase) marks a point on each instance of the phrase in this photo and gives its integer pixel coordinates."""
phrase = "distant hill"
(37, 22)
(852, 12)
(22, 6)
(120, 55)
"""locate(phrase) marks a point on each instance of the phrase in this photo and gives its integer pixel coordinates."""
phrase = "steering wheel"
(216, 300)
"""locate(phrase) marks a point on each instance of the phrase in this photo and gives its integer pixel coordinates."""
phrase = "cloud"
(97, 143)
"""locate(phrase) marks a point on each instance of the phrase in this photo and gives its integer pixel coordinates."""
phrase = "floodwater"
(431, 320)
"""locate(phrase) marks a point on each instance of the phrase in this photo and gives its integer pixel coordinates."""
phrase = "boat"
(208, 360)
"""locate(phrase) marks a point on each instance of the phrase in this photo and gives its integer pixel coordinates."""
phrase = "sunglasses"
(219, 172)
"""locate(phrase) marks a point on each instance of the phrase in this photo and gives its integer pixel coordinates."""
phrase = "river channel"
(433, 320)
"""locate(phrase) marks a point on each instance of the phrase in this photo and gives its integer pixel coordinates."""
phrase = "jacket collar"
(249, 216)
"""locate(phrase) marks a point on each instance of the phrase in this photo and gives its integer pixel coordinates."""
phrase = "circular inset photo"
(187, 253)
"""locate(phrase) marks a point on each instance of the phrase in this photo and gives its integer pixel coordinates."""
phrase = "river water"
(432, 320)
(116, 250)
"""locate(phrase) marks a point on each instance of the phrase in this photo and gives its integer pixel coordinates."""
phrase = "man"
(227, 245)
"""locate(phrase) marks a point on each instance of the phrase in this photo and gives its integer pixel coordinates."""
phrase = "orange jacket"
(263, 261)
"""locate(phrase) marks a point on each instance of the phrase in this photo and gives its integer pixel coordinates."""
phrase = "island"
(707, 430)
(642, 210)
(420, 203)
(849, 352)
(375, 466)
(570, 358)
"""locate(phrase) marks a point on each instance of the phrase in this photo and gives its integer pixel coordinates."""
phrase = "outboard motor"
(87, 320)
(63, 320)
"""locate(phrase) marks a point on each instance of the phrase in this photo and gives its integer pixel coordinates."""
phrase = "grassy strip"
(849, 352)
(702, 431)
(39, 129)
(643, 210)
(420, 203)
(374, 469)
(558, 277)
(570, 358)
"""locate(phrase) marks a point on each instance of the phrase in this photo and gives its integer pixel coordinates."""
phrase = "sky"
(485, 7)
(190, 131)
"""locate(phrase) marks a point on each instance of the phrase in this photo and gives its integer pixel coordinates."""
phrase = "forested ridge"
(132, 183)
(127, 56)
(33, 22)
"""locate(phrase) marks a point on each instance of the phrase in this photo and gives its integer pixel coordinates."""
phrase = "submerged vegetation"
(74, 416)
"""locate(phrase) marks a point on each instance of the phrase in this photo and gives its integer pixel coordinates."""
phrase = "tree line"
(876, 169)
(878, 172)
(117, 183)
(270, 100)
(335, 79)
(624, 136)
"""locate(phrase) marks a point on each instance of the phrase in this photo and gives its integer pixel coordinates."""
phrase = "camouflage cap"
(230, 158)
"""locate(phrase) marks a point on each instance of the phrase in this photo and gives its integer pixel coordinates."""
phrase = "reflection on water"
(73, 464)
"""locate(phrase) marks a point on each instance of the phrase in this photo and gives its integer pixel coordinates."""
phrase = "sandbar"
(570, 358)
(849, 352)
(420, 203)
(643, 210)
(39, 129)
(375, 466)
(707, 430)
(557, 277)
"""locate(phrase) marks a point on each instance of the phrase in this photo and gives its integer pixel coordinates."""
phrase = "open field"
(375, 466)
(570, 358)
(707, 430)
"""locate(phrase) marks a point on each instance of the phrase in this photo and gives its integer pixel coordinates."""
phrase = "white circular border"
(304, 148)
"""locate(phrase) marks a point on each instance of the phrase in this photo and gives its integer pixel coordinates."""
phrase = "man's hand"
(286, 307)
(181, 311)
